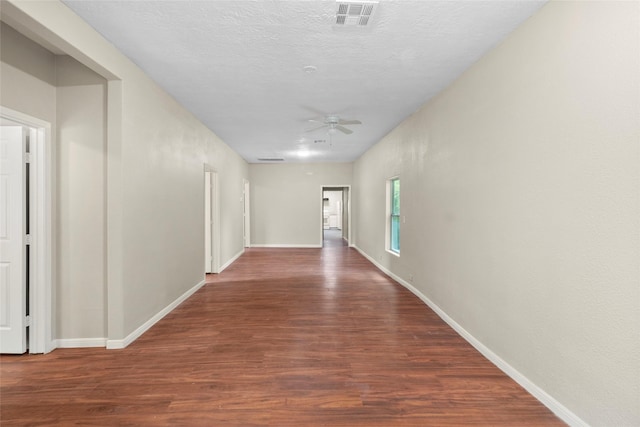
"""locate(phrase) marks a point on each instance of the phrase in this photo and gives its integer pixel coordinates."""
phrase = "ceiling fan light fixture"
(333, 123)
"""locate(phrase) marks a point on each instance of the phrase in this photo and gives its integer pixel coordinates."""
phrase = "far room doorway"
(336, 216)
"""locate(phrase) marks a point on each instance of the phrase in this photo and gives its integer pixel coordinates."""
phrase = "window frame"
(390, 215)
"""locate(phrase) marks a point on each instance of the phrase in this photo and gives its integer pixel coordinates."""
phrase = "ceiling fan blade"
(344, 129)
(316, 128)
(316, 121)
(314, 111)
(350, 122)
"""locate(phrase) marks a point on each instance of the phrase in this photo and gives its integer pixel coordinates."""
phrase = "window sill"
(393, 253)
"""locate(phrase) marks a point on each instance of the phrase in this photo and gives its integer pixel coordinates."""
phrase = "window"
(393, 215)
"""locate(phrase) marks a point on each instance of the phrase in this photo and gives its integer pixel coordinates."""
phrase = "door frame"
(41, 179)
(208, 223)
(246, 198)
(324, 188)
(214, 198)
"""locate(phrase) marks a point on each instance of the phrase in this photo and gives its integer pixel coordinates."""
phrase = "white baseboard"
(231, 261)
(119, 344)
(80, 342)
(556, 407)
(285, 246)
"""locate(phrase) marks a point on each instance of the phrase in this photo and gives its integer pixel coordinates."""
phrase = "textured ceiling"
(239, 65)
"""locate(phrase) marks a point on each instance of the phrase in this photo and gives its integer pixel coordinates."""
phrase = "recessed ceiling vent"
(271, 159)
(355, 14)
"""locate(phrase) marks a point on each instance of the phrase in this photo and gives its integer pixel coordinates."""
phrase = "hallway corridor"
(332, 238)
(283, 337)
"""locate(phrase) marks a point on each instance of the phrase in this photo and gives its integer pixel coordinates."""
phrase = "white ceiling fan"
(333, 123)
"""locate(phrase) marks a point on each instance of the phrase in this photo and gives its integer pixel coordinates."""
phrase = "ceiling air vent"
(271, 159)
(355, 14)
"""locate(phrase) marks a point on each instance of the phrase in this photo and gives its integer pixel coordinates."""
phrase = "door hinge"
(27, 321)
(27, 239)
(27, 157)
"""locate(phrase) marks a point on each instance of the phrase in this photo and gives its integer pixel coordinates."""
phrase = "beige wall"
(81, 179)
(521, 186)
(156, 153)
(164, 151)
(27, 70)
(286, 201)
(28, 85)
(63, 92)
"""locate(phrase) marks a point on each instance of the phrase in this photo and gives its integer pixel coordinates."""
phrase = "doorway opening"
(25, 234)
(211, 222)
(336, 216)
(246, 198)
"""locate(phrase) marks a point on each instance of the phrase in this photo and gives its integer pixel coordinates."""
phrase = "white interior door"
(13, 323)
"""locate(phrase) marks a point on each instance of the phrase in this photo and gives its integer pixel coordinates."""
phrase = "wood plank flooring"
(283, 337)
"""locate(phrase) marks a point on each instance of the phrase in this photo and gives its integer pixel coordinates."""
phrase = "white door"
(13, 325)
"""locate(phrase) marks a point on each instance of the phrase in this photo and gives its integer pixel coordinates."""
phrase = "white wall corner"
(547, 400)
(120, 344)
(231, 261)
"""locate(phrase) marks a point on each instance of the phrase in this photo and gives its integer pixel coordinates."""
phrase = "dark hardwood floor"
(283, 337)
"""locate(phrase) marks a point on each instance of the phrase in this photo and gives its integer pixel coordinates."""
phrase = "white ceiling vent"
(355, 14)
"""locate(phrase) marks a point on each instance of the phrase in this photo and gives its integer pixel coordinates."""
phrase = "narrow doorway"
(26, 279)
(211, 222)
(208, 222)
(246, 198)
(335, 216)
